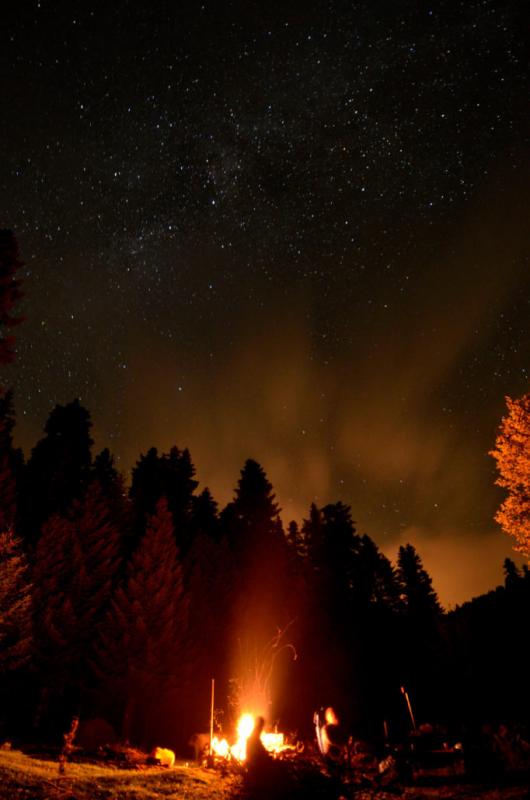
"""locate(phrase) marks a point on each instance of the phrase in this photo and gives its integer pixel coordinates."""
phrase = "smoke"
(394, 423)
(395, 415)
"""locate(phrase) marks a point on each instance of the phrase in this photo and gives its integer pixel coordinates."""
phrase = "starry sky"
(293, 231)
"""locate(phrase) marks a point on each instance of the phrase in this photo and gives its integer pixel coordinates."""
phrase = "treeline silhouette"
(123, 602)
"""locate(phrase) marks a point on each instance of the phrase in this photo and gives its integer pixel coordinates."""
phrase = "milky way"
(292, 231)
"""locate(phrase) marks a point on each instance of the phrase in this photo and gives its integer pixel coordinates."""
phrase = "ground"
(23, 777)
(27, 778)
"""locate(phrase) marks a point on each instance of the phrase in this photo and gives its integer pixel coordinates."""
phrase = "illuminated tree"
(140, 652)
(11, 464)
(57, 579)
(512, 454)
(15, 605)
(77, 562)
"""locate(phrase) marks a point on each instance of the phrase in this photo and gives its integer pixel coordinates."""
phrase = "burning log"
(273, 741)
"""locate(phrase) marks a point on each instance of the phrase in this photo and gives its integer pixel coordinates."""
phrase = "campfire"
(274, 742)
(252, 690)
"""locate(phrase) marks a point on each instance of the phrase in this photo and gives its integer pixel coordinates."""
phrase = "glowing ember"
(273, 742)
(220, 747)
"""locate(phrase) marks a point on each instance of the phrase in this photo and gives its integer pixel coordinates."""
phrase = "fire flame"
(273, 742)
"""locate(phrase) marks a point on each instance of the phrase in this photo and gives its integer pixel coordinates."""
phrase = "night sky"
(289, 231)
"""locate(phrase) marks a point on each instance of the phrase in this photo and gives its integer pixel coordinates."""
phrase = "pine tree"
(256, 530)
(141, 648)
(296, 548)
(147, 483)
(58, 579)
(104, 471)
(255, 500)
(77, 565)
(512, 454)
(59, 468)
(313, 538)
(11, 464)
(178, 488)
(16, 641)
(261, 598)
(375, 581)
(100, 542)
(115, 495)
(340, 548)
(170, 475)
(10, 293)
(421, 656)
(421, 601)
(512, 576)
(204, 516)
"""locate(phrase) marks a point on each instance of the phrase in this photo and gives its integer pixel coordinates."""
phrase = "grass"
(23, 777)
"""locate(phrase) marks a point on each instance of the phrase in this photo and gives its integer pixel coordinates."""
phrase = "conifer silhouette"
(10, 293)
(142, 643)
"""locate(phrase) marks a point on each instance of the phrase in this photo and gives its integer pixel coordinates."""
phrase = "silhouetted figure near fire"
(265, 776)
(331, 741)
(258, 759)
(331, 738)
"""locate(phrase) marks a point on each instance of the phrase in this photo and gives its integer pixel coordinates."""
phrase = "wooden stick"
(211, 715)
(409, 708)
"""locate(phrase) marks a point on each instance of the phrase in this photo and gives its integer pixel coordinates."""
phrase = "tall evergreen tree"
(58, 470)
(10, 293)
(58, 578)
(339, 549)
(261, 600)
(16, 641)
(115, 495)
(179, 485)
(421, 662)
(312, 535)
(421, 601)
(168, 475)
(100, 541)
(141, 648)
(11, 464)
(375, 581)
(77, 564)
(512, 576)
(204, 518)
(147, 483)
(256, 529)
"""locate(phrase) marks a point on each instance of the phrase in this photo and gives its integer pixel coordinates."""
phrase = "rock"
(165, 757)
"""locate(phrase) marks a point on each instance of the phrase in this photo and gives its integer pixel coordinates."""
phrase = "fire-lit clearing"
(273, 742)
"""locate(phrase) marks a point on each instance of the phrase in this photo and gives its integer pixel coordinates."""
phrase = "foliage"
(59, 468)
(15, 605)
(169, 475)
(512, 454)
(141, 597)
(421, 601)
(141, 649)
